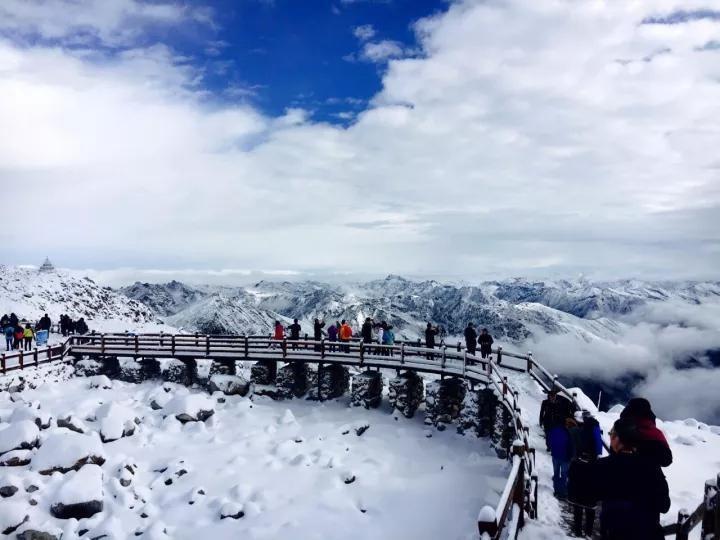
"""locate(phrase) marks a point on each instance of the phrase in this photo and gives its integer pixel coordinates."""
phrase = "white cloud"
(113, 22)
(364, 32)
(382, 51)
(496, 149)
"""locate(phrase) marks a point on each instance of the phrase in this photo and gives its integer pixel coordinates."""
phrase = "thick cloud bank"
(665, 345)
(520, 137)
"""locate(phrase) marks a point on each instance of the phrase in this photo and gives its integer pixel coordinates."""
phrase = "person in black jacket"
(651, 444)
(81, 326)
(553, 411)
(294, 332)
(485, 340)
(587, 444)
(366, 331)
(45, 323)
(318, 325)
(430, 333)
(470, 338)
(633, 492)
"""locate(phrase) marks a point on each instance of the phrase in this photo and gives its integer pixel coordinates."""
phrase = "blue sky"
(289, 53)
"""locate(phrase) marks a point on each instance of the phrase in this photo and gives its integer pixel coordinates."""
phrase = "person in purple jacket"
(332, 332)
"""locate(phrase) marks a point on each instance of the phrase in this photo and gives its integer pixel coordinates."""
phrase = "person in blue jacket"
(561, 450)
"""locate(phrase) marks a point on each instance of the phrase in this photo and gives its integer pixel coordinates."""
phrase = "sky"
(466, 139)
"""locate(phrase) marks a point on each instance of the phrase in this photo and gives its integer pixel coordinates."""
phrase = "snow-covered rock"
(116, 421)
(81, 494)
(41, 418)
(16, 458)
(88, 368)
(12, 516)
(23, 434)
(190, 408)
(100, 381)
(231, 510)
(66, 451)
(73, 424)
(229, 385)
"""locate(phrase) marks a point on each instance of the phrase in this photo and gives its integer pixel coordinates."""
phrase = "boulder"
(88, 368)
(81, 494)
(292, 380)
(16, 458)
(21, 435)
(230, 385)
(12, 516)
(130, 371)
(231, 510)
(73, 424)
(190, 408)
(8, 491)
(41, 419)
(32, 534)
(100, 381)
(66, 451)
(116, 421)
(263, 372)
(222, 367)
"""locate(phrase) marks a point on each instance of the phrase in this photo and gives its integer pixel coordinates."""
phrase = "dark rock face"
(502, 434)
(443, 401)
(30, 534)
(76, 511)
(330, 381)
(15, 458)
(405, 393)
(8, 491)
(367, 389)
(264, 372)
(70, 424)
(88, 368)
(292, 380)
(201, 416)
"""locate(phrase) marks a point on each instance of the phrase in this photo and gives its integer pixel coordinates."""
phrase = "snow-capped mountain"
(30, 293)
(166, 299)
(513, 310)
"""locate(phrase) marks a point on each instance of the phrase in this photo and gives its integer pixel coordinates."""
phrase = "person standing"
(295, 329)
(561, 450)
(430, 333)
(651, 443)
(366, 331)
(379, 337)
(588, 448)
(345, 336)
(470, 338)
(486, 341)
(332, 335)
(632, 490)
(28, 336)
(318, 332)
(8, 331)
(553, 411)
(18, 337)
(388, 338)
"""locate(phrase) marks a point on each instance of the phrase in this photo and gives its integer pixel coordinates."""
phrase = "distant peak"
(47, 266)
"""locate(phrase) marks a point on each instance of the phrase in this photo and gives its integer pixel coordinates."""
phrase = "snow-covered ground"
(294, 469)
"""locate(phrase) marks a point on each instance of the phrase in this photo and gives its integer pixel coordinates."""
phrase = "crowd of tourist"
(20, 334)
(628, 484)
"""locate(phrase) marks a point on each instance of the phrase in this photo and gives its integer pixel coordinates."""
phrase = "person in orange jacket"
(345, 335)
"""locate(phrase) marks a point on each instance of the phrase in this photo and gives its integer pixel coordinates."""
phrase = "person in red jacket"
(651, 442)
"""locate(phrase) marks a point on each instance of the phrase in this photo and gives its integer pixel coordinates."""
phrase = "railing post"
(247, 347)
(504, 385)
(49, 353)
(161, 339)
(127, 333)
(683, 517)
(487, 522)
(207, 345)
(529, 361)
(444, 356)
(35, 356)
(284, 347)
(102, 343)
(322, 348)
(402, 352)
(137, 343)
(172, 344)
(197, 339)
(499, 356)
(21, 360)
(711, 517)
(2, 363)
(464, 360)
(459, 347)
